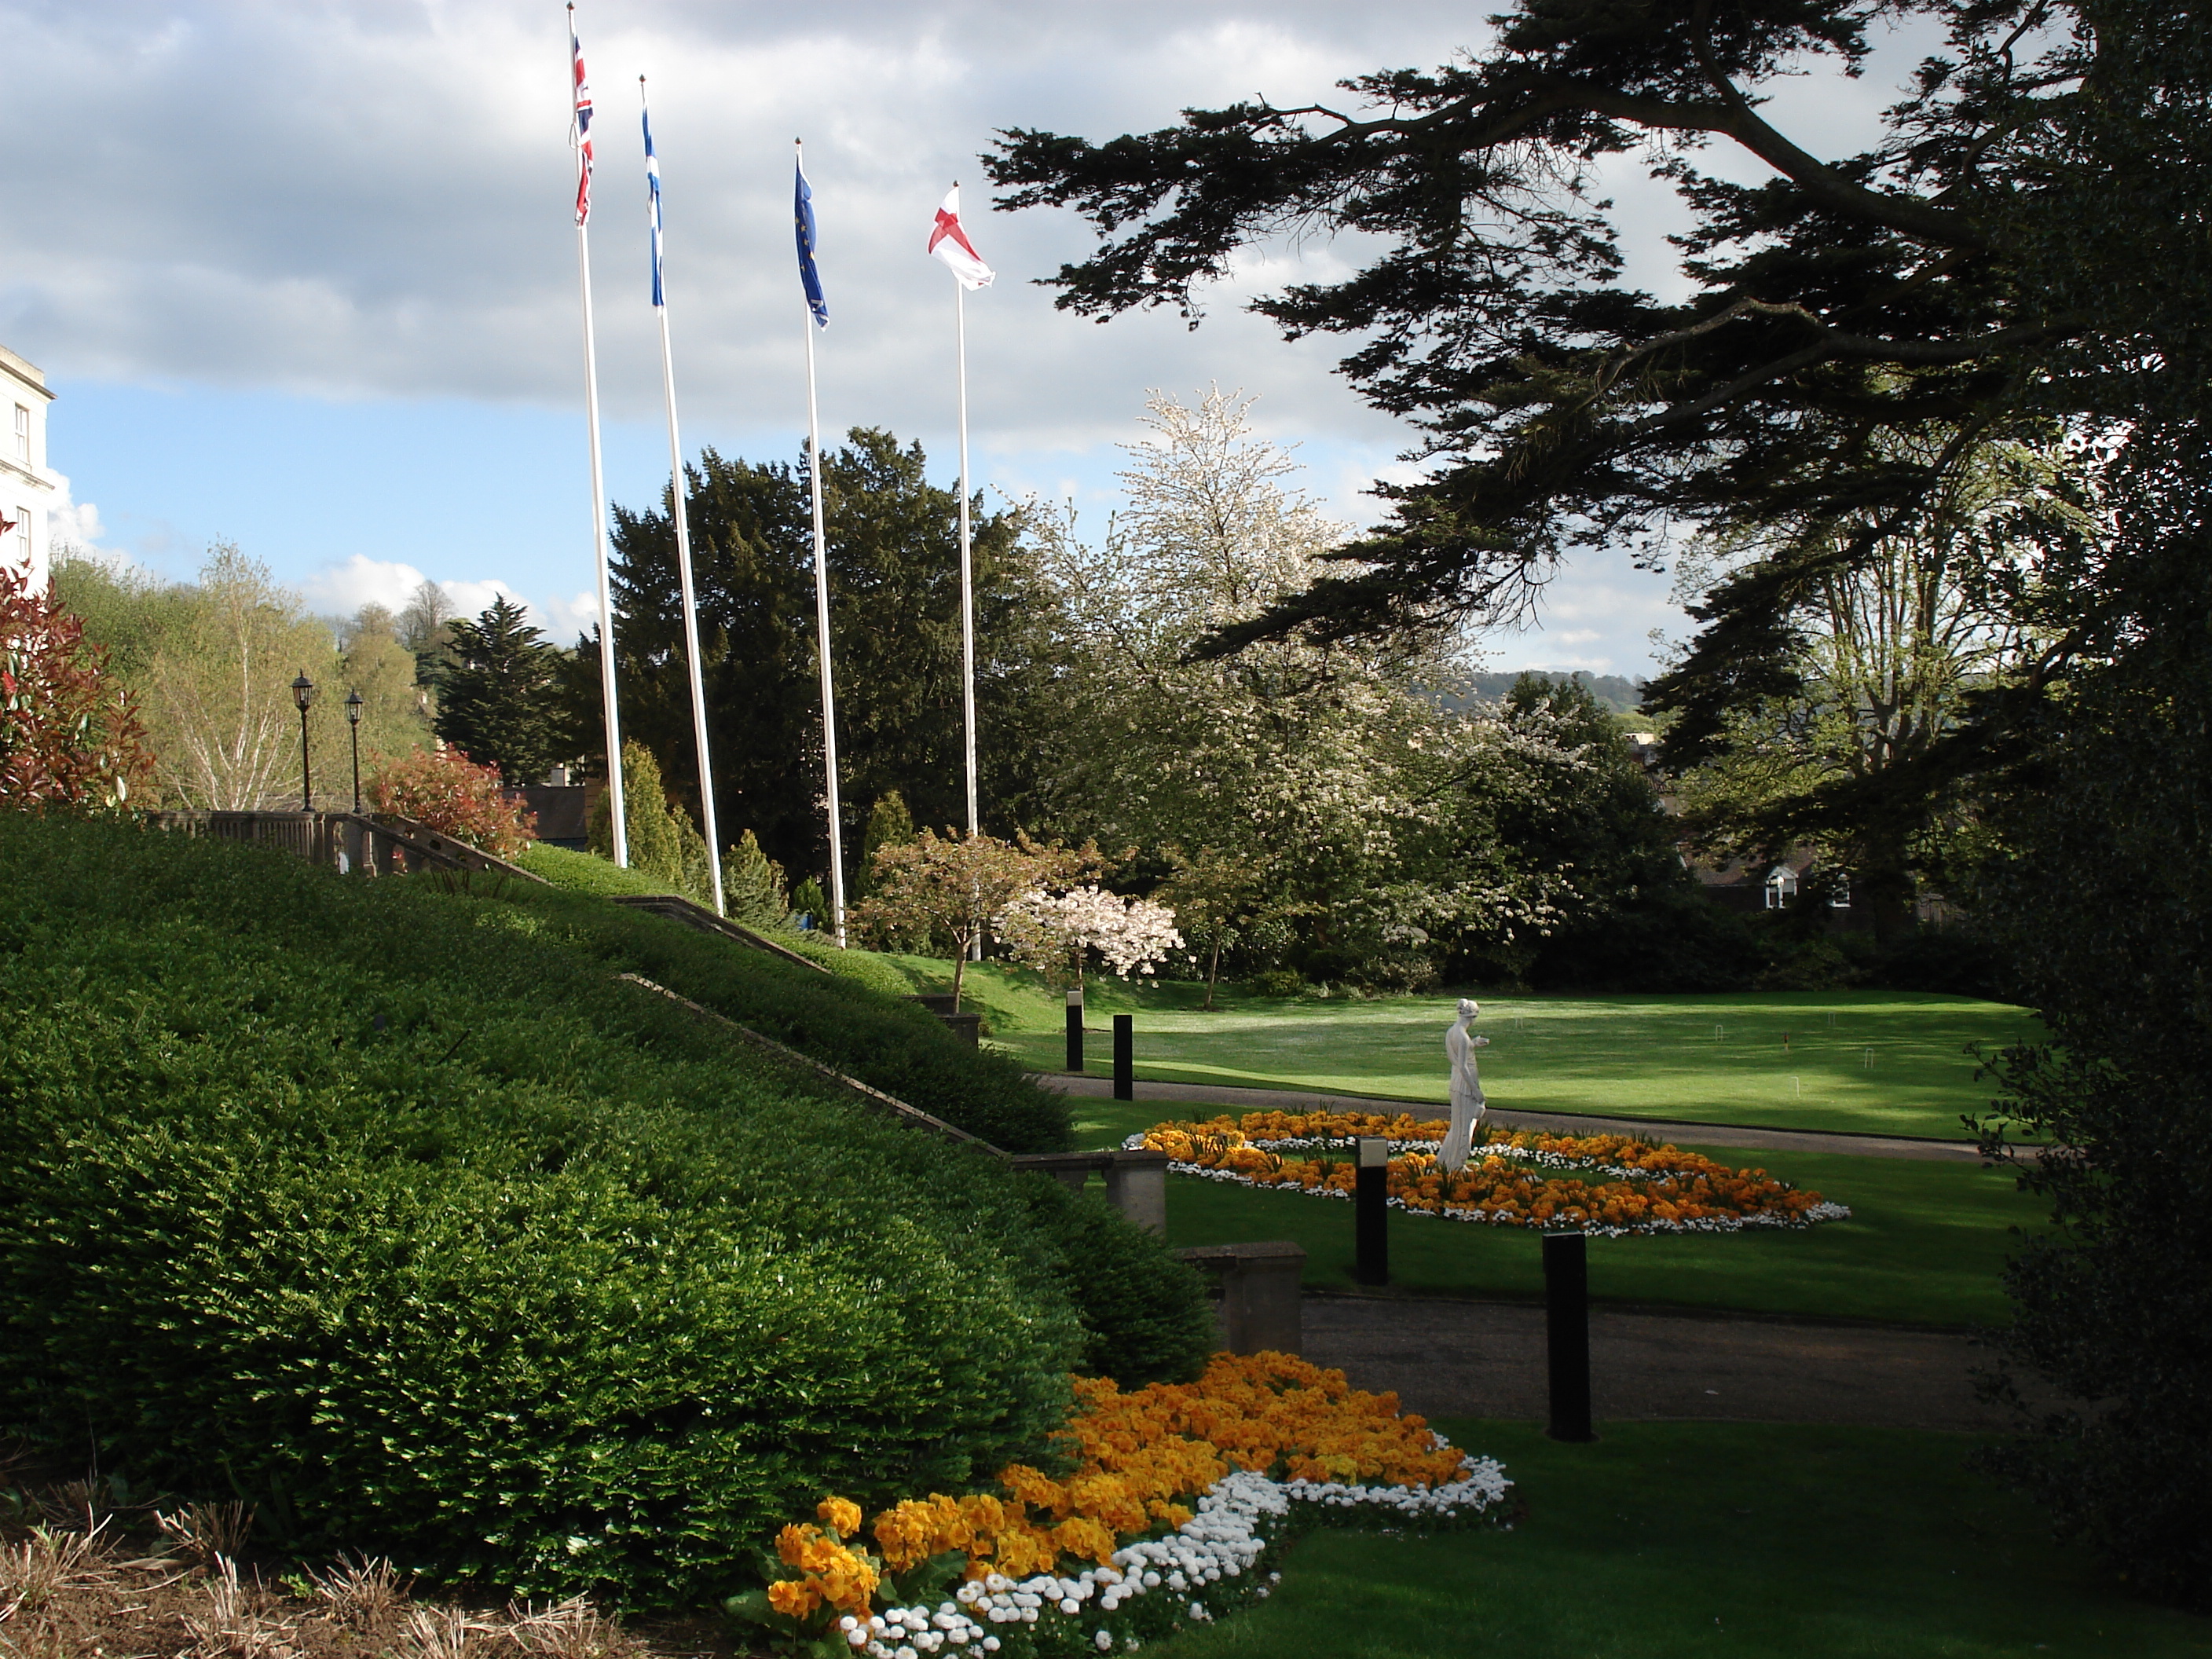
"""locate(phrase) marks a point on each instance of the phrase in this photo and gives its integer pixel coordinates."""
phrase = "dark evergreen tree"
(497, 704)
(1640, 921)
(895, 630)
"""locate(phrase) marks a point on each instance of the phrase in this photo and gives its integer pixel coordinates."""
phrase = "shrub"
(1145, 1315)
(868, 1033)
(752, 887)
(862, 967)
(451, 794)
(379, 1206)
(1276, 982)
(1818, 965)
(664, 844)
(585, 873)
(68, 737)
(588, 872)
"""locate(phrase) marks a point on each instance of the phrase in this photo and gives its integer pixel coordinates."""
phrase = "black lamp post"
(303, 693)
(353, 719)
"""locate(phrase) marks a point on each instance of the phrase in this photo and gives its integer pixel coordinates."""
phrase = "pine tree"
(663, 841)
(752, 886)
(890, 824)
(497, 707)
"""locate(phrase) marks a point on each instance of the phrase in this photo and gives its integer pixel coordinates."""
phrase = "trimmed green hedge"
(898, 1046)
(588, 872)
(378, 1205)
(876, 973)
(585, 873)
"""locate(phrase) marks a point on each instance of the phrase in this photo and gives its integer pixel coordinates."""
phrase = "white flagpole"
(822, 635)
(967, 582)
(619, 816)
(967, 576)
(683, 571)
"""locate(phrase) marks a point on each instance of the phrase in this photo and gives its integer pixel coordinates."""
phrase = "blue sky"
(302, 274)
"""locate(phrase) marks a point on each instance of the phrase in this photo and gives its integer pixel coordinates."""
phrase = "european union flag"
(802, 213)
(653, 189)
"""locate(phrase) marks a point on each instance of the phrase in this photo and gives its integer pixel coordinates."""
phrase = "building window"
(1780, 887)
(18, 538)
(22, 435)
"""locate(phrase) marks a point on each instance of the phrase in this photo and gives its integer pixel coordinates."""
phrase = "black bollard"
(1566, 1330)
(1075, 1032)
(1124, 1056)
(1370, 1212)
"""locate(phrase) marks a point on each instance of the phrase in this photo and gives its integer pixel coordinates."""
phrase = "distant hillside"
(1613, 691)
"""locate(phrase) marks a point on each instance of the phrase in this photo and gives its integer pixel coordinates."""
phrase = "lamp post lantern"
(303, 693)
(353, 721)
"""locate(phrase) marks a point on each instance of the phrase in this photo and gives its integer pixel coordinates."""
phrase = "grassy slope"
(255, 1118)
(1923, 1245)
(586, 872)
(1631, 1057)
(1711, 1540)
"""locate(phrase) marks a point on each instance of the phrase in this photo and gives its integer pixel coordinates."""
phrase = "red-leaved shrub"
(68, 738)
(447, 791)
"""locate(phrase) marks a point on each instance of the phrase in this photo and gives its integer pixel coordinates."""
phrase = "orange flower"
(1138, 1457)
(794, 1598)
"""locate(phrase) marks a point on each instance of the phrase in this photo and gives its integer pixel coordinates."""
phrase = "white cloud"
(72, 523)
(355, 200)
(341, 589)
(566, 620)
(363, 200)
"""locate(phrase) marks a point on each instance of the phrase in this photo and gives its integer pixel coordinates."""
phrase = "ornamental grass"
(1605, 1183)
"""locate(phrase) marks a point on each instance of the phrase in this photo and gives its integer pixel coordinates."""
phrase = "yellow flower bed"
(1522, 1179)
(1139, 1456)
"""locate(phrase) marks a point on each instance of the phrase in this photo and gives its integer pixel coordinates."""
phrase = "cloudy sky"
(303, 273)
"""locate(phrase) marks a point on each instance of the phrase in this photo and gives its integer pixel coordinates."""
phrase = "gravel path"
(1486, 1359)
(1699, 1135)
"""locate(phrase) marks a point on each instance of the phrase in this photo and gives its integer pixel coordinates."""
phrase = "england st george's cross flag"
(950, 243)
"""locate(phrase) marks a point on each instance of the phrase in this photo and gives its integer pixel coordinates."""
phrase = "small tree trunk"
(1213, 973)
(959, 967)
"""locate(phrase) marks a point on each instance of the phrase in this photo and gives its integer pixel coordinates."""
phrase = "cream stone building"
(28, 488)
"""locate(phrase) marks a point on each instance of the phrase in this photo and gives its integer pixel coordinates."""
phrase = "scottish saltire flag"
(950, 243)
(653, 207)
(580, 123)
(802, 213)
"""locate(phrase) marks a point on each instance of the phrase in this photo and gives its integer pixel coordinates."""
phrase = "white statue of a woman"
(1467, 1102)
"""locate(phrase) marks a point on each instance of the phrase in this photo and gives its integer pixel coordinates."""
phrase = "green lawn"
(1667, 1540)
(1893, 1062)
(1923, 1245)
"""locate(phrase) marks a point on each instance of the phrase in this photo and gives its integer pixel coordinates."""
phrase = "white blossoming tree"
(1339, 775)
(1057, 932)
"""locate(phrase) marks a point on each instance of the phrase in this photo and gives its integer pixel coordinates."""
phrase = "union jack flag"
(580, 124)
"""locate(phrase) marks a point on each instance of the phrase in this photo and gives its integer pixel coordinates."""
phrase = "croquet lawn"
(1887, 1062)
